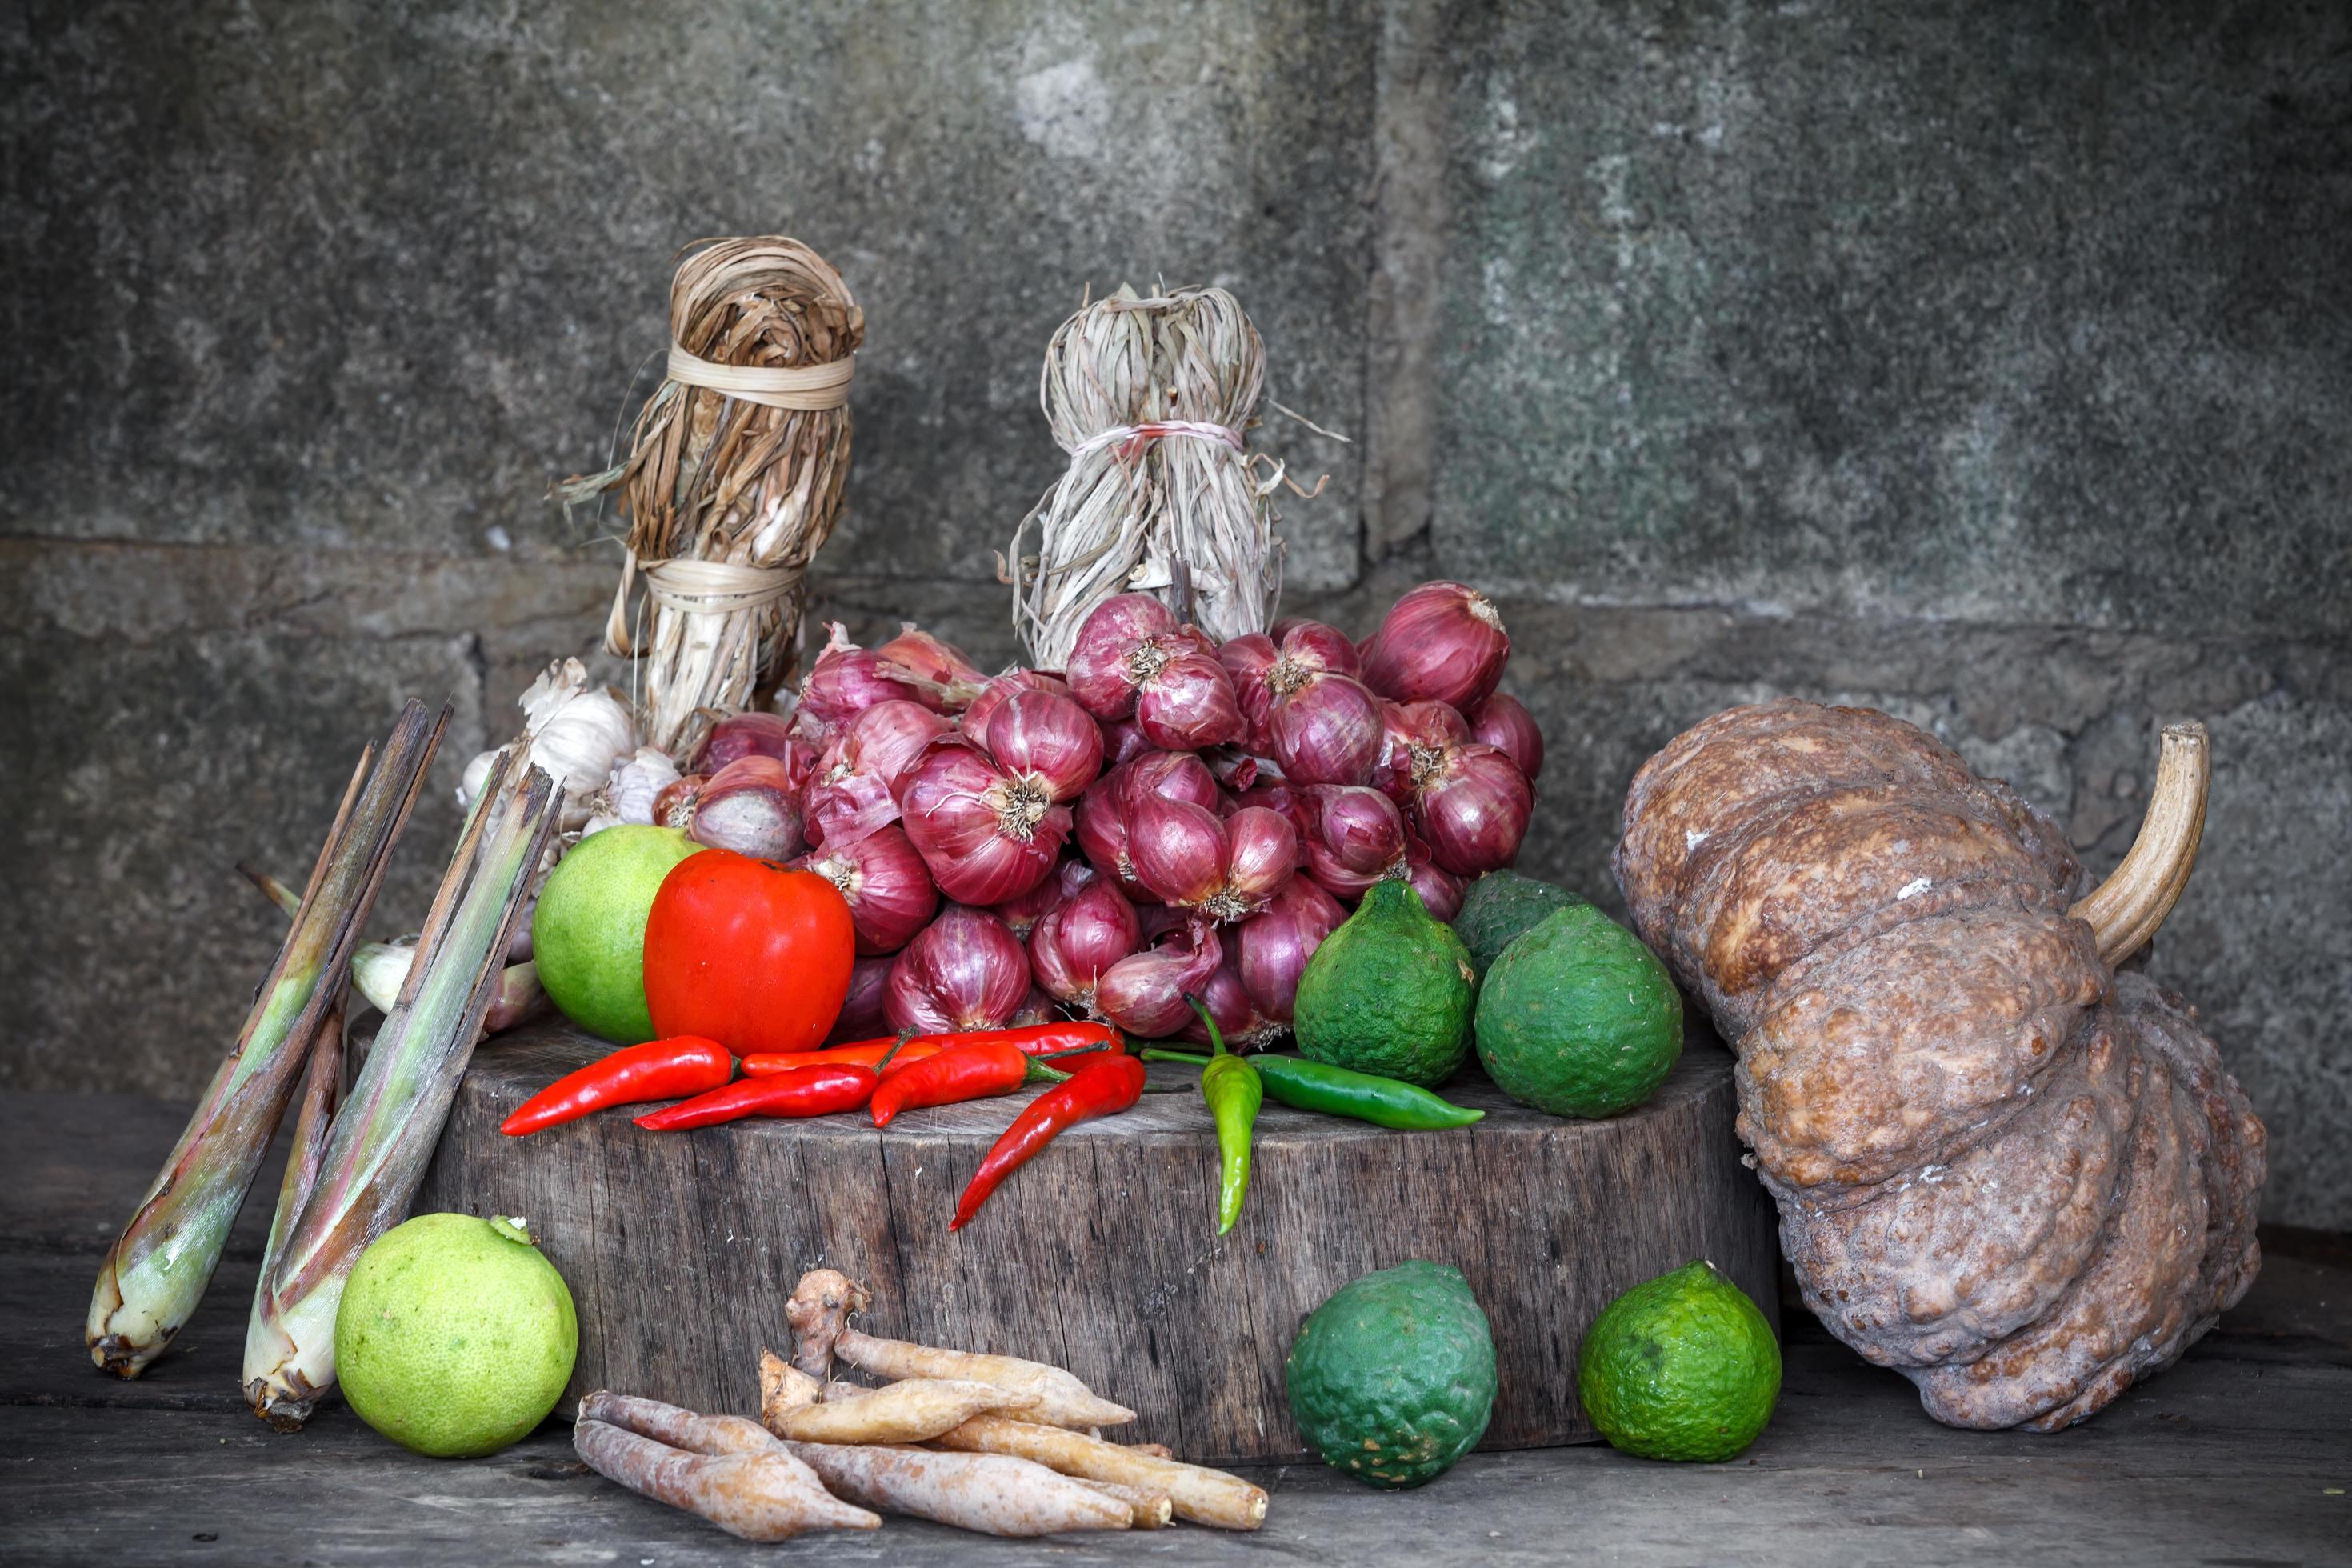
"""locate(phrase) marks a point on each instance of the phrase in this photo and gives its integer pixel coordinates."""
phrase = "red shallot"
(1102, 835)
(1226, 869)
(1351, 836)
(1324, 728)
(1473, 805)
(1443, 642)
(888, 887)
(749, 807)
(1407, 730)
(853, 790)
(964, 971)
(758, 734)
(1242, 1023)
(1048, 739)
(1091, 929)
(988, 836)
(1504, 723)
(861, 1016)
(1440, 890)
(1144, 993)
(848, 679)
(921, 655)
(1131, 658)
(1271, 947)
(992, 694)
(1122, 739)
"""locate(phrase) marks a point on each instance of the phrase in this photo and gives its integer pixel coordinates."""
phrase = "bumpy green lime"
(1389, 992)
(1499, 907)
(1577, 1018)
(588, 934)
(454, 1336)
(1683, 1367)
(1392, 1379)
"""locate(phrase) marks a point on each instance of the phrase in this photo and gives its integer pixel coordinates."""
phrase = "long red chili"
(1030, 1039)
(804, 1092)
(960, 1073)
(658, 1070)
(1100, 1088)
(865, 1053)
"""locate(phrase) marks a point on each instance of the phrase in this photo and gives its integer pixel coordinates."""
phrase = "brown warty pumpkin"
(2014, 1174)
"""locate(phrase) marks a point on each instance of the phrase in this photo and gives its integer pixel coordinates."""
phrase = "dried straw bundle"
(733, 479)
(1151, 398)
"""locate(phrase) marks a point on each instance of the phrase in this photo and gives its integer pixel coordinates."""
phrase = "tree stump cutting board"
(1101, 1255)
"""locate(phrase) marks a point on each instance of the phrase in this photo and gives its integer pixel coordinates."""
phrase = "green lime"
(454, 1336)
(588, 934)
(1388, 993)
(1683, 1367)
(1577, 1018)
(1392, 1379)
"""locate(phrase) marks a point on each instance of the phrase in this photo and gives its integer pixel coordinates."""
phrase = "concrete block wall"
(1986, 363)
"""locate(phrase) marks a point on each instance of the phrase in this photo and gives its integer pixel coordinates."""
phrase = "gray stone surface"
(1982, 363)
(2009, 311)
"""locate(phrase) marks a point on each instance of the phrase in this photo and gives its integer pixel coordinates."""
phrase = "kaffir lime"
(454, 1336)
(1683, 1367)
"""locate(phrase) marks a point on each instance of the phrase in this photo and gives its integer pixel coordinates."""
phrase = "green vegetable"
(1231, 1087)
(1683, 1367)
(1340, 1091)
(1392, 1379)
(1501, 905)
(1579, 1018)
(1387, 993)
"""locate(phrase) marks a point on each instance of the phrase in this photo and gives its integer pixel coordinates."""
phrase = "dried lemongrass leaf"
(733, 481)
(1151, 398)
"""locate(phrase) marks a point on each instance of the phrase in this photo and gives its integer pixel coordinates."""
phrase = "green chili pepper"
(1231, 1087)
(1342, 1091)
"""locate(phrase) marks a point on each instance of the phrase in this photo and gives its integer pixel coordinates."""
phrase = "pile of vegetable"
(992, 1444)
(1168, 816)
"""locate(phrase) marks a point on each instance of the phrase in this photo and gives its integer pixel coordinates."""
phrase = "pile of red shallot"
(1166, 817)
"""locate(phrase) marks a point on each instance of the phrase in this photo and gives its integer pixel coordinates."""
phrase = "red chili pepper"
(1042, 1039)
(804, 1092)
(658, 1070)
(865, 1053)
(960, 1073)
(1100, 1088)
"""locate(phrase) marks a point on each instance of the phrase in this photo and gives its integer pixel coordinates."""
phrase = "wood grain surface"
(2237, 1455)
(1101, 1255)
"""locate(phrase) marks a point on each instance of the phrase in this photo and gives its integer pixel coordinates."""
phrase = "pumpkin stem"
(2126, 908)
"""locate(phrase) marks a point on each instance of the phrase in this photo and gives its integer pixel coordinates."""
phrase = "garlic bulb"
(627, 796)
(575, 733)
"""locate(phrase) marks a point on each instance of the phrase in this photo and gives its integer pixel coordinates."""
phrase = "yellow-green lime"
(588, 934)
(454, 1336)
(1682, 1367)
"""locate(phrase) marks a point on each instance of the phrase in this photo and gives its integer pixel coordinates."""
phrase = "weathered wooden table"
(2241, 1454)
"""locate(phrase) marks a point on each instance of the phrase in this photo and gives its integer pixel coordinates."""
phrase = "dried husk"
(1184, 515)
(730, 490)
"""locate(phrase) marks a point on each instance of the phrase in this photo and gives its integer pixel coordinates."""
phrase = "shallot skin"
(1442, 642)
(964, 971)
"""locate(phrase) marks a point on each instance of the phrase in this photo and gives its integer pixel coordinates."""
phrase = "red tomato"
(747, 953)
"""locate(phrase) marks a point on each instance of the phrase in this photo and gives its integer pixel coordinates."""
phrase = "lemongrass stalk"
(386, 1130)
(322, 1093)
(379, 969)
(157, 1271)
